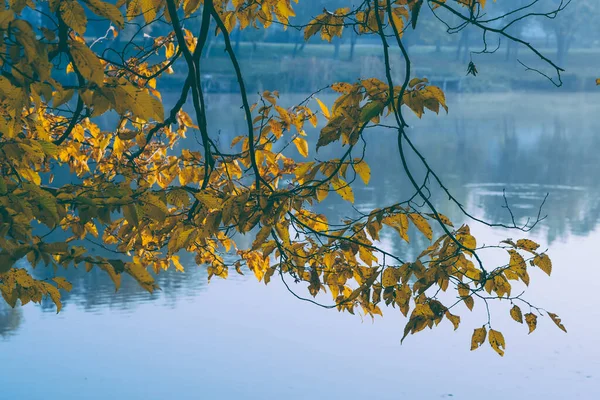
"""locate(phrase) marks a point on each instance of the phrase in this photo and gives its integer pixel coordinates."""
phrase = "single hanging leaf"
(141, 275)
(73, 14)
(87, 63)
(302, 146)
(472, 69)
(544, 263)
(54, 295)
(516, 314)
(108, 11)
(6, 17)
(62, 283)
(322, 191)
(422, 225)
(556, 320)
(397, 21)
(455, 319)
(189, 6)
(443, 219)
(531, 320)
(478, 338)
(469, 302)
(148, 9)
(496, 340)
(343, 189)
(178, 266)
(364, 171)
(389, 277)
(526, 244)
(324, 109)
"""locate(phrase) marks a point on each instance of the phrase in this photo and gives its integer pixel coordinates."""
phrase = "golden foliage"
(150, 201)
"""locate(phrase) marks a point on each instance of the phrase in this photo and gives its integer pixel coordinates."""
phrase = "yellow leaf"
(543, 262)
(61, 97)
(343, 189)
(30, 175)
(189, 6)
(177, 263)
(141, 275)
(322, 192)
(397, 20)
(209, 200)
(466, 239)
(422, 225)
(342, 87)
(366, 255)
(6, 17)
(478, 337)
(371, 110)
(114, 275)
(526, 244)
(324, 108)
(443, 219)
(87, 63)
(469, 302)
(517, 266)
(455, 319)
(62, 283)
(74, 16)
(400, 223)
(389, 277)
(364, 171)
(531, 320)
(54, 295)
(496, 340)
(148, 9)
(261, 237)
(516, 314)
(108, 11)
(312, 28)
(557, 321)
(257, 265)
(302, 146)
(23, 278)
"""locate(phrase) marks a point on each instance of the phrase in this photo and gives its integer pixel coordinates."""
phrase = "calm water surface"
(237, 339)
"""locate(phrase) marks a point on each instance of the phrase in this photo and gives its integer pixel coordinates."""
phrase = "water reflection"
(94, 292)
(480, 152)
(10, 320)
(528, 145)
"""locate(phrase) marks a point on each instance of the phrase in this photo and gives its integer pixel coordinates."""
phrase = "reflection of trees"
(10, 320)
(560, 160)
(528, 159)
(94, 290)
(476, 155)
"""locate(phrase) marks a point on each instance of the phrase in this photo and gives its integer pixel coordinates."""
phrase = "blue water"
(239, 339)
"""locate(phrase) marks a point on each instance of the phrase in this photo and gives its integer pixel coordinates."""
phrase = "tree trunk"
(298, 45)
(463, 43)
(562, 47)
(336, 48)
(353, 38)
(511, 51)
